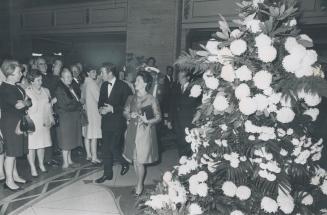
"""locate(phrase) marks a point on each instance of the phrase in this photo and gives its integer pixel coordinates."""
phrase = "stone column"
(152, 30)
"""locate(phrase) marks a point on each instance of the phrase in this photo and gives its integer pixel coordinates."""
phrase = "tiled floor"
(75, 193)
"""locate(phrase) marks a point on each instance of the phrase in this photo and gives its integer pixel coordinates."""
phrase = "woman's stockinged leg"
(141, 177)
(9, 169)
(88, 149)
(94, 150)
(2, 161)
(40, 157)
(16, 176)
(70, 162)
(31, 161)
(65, 163)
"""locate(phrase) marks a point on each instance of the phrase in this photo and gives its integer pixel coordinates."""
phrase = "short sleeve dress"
(40, 113)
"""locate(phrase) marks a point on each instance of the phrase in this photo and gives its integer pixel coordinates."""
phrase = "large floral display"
(254, 151)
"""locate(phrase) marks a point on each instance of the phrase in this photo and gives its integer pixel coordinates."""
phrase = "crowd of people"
(46, 108)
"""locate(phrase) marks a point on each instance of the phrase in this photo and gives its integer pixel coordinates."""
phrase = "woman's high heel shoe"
(137, 195)
(5, 186)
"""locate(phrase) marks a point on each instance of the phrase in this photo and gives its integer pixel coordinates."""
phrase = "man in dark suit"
(183, 110)
(113, 95)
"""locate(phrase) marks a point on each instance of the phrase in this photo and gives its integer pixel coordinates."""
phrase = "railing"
(88, 17)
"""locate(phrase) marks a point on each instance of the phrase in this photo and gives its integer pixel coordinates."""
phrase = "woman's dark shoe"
(124, 169)
(5, 186)
(2, 180)
(22, 182)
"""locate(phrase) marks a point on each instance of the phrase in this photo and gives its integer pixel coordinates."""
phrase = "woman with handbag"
(41, 114)
(13, 105)
(69, 110)
(142, 112)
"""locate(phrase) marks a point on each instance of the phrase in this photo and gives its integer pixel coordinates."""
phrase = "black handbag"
(56, 119)
(27, 124)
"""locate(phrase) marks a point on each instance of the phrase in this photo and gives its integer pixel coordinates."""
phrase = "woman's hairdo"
(147, 78)
(32, 75)
(8, 67)
(65, 70)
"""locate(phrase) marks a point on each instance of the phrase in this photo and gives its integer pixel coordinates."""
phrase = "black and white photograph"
(163, 107)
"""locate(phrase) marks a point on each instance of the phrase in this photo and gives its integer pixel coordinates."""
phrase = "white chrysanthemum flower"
(236, 33)
(253, 25)
(290, 43)
(312, 99)
(323, 187)
(308, 199)
(289, 131)
(291, 63)
(223, 127)
(292, 22)
(195, 209)
(310, 57)
(238, 47)
(283, 152)
(196, 91)
(313, 112)
(229, 189)
(285, 202)
(212, 46)
(243, 73)
(315, 180)
(202, 176)
(269, 205)
(268, 91)
(158, 202)
(243, 192)
(237, 212)
(167, 177)
(220, 103)
(304, 70)
(223, 55)
(228, 73)
(262, 40)
(212, 83)
(285, 115)
(247, 106)
(261, 101)
(262, 79)
(267, 54)
(256, 2)
(242, 91)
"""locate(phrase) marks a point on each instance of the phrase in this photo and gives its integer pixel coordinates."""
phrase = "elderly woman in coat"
(68, 108)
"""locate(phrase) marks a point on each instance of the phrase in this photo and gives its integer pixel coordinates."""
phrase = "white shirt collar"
(113, 81)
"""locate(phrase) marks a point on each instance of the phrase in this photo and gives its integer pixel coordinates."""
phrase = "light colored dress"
(90, 97)
(141, 142)
(40, 112)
